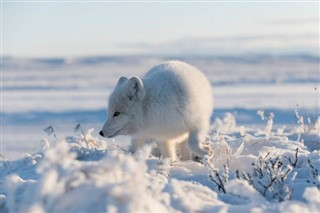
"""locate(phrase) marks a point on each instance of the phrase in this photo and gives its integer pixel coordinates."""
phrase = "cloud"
(232, 44)
(294, 21)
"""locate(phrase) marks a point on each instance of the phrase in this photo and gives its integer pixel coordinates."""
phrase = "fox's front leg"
(136, 143)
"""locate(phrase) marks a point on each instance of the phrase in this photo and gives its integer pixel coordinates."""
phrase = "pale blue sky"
(74, 29)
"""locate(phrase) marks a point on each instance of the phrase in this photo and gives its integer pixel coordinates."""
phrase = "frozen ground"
(256, 165)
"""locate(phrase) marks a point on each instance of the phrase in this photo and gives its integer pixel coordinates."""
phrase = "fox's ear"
(121, 80)
(135, 89)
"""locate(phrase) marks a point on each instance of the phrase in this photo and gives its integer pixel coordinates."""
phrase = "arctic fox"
(172, 103)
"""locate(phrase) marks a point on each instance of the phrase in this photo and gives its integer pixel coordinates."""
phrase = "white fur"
(171, 104)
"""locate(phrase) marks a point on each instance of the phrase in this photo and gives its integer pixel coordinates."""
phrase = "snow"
(265, 137)
(68, 176)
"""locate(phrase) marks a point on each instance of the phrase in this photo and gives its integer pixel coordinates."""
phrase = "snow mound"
(115, 183)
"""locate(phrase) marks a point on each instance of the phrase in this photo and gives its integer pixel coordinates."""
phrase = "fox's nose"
(101, 133)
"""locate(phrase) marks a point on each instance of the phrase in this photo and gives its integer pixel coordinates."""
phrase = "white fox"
(171, 104)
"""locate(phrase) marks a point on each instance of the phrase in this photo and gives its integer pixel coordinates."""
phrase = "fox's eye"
(116, 114)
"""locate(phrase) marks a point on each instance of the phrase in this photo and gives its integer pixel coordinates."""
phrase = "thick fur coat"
(172, 103)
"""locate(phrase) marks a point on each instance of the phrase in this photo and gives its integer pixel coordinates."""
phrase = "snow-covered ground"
(265, 135)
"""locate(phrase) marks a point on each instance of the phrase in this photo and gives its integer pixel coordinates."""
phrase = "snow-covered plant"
(269, 177)
(225, 125)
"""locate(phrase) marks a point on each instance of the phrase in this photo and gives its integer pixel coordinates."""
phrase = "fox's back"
(178, 96)
(180, 79)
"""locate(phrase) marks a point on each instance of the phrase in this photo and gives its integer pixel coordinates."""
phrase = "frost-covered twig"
(79, 128)
(50, 131)
(218, 182)
(300, 122)
(296, 158)
(261, 114)
(258, 168)
(214, 174)
(257, 171)
(299, 117)
(315, 174)
(285, 175)
(276, 164)
(225, 173)
(269, 125)
(314, 170)
(238, 174)
(267, 187)
(247, 177)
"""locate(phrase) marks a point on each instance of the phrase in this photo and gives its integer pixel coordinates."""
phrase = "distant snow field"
(265, 135)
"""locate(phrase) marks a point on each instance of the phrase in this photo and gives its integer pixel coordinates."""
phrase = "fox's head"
(125, 108)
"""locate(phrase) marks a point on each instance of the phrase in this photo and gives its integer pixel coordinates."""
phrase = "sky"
(56, 29)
